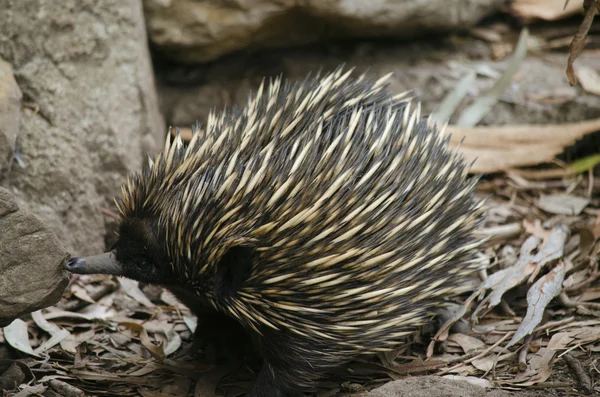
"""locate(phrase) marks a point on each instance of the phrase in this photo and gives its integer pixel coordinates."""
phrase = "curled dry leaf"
(156, 351)
(538, 296)
(17, 336)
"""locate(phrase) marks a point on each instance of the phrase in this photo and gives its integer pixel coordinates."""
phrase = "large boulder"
(31, 258)
(90, 109)
(200, 31)
(10, 114)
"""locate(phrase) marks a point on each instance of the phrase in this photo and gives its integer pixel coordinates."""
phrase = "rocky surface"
(429, 386)
(200, 31)
(91, 109)
(539, 94)
(10, 115)
(435, 386)
(31, 260)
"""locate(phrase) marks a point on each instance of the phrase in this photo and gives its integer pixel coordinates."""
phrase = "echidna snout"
(98, 264)
(327, 217)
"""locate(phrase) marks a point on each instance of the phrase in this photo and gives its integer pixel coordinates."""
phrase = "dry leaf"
(467, 342)
(171, 300)
(562, 204)
(156, 351)
(549, 10)
(132, 289)
(191, 322)
(588, 237)
(53, 341)
(589, 79)
(499, 148)
(484, 364)
(538, 297)
(81, 293)
(27, 391)
(528, 264)
(480, 107)
(539, 368)
(17, 336)
(173, 340)
(560, 340)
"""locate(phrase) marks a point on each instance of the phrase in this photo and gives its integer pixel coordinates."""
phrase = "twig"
(591, 182)
(576, 366)
(567, 302)
(507, 309)
(551, 324)
(480, 355)
(523, 352)
(593, 277)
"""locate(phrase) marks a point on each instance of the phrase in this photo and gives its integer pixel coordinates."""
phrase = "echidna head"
(138, 254)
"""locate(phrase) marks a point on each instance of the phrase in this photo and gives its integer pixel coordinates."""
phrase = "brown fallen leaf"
(539, 369)
(499, 148)
(467, 343)
(560, 340)
(156, 351)
(588, 237)
(548, 10)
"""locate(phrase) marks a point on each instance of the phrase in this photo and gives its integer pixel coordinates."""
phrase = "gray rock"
(87, 68)
(429, 386)
(199, 31)
(10, 114)
(31, 260)
(539, 95)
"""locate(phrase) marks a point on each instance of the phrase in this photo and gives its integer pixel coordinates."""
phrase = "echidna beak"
(98, 264)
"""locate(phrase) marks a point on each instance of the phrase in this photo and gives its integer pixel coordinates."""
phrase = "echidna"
(326, 216)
